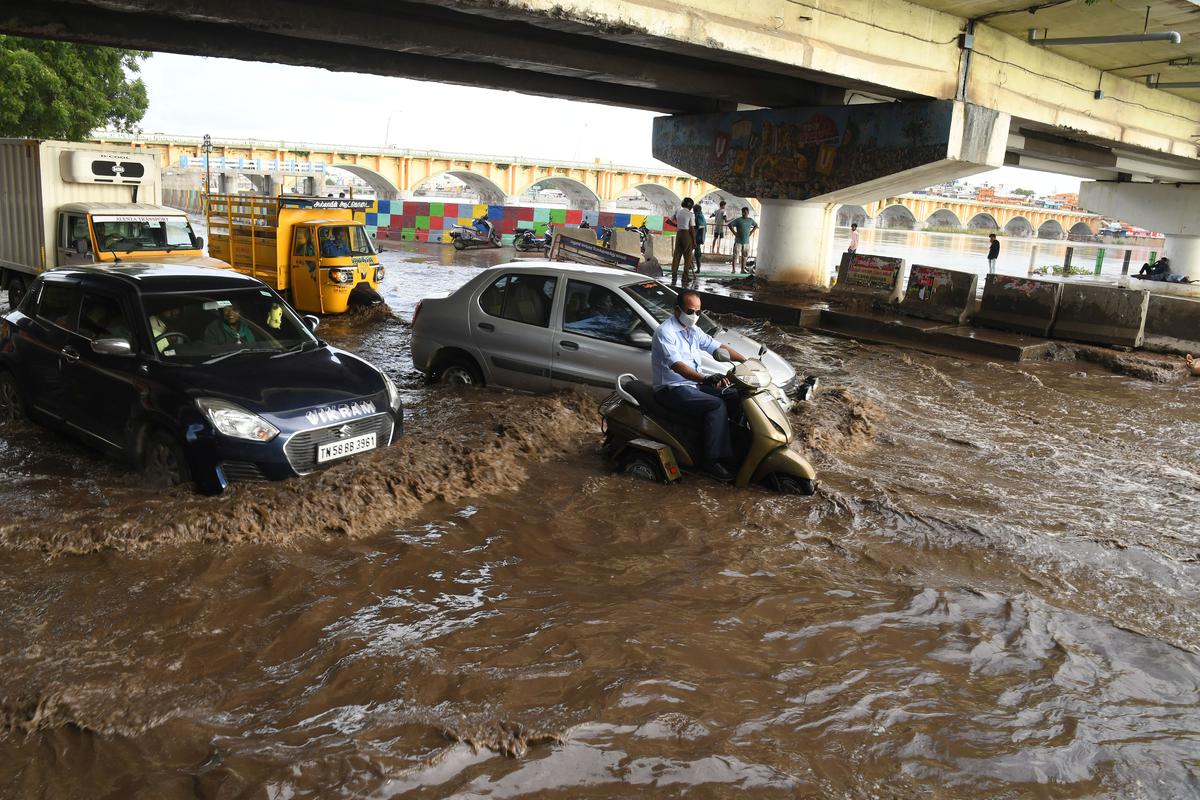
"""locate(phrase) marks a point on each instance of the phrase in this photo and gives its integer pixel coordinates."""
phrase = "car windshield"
(190, 327)
(659, 300)
(130, 234)
(344, 240)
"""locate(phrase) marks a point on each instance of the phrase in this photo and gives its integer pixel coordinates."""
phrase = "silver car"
(538, 326)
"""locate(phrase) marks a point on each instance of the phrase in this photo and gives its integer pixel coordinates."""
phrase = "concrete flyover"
(1081, 110)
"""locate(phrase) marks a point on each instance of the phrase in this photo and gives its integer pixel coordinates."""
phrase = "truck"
(311, 250)
(72, 203)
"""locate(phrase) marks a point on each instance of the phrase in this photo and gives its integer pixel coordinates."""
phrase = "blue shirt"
(674, 343)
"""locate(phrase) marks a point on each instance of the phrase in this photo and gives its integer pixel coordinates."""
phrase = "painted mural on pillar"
(804, 153)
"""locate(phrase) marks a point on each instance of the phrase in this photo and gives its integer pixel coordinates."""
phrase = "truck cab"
(311, 249)
(110, 233)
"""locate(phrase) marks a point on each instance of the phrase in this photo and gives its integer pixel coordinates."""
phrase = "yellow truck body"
(311, 249)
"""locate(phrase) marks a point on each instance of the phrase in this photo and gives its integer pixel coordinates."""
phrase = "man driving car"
(680, 386)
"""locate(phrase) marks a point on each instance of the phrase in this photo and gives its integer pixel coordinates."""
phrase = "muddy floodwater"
(995, 593)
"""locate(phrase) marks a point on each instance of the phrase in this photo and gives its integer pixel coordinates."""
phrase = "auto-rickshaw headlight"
(379, 273)
(341, 275)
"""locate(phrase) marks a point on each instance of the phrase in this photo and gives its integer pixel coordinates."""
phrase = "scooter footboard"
(784, 461)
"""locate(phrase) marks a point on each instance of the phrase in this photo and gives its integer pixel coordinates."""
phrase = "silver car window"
(591, 310)
(520, 298)
(659, 300)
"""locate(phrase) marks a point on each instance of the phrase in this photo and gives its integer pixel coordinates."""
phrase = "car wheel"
(460, 243)
(461, 372)
(163, 461)
(11, 408)
(642, 468)
(789, 484)
(16, 290)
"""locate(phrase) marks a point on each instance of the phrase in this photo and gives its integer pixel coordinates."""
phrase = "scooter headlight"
(341, 275)
(231, 419)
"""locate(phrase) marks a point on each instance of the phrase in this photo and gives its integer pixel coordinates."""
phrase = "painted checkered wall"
(417, 221)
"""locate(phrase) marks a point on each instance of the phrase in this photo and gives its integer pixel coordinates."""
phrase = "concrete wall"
(1172, 324)
(1018, 304)
(1101, 314)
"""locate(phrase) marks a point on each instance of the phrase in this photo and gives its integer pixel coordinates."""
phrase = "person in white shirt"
(720, 219)
(853, 248)
(685, 242)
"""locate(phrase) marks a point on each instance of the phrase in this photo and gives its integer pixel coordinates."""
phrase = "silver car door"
(510, 324)
(598, 336)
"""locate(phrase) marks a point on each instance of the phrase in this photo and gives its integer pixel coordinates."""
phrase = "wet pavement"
(994, 594)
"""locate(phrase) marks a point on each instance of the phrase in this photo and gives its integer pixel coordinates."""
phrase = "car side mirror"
(312, 321)
(112, 347)
(640, 339)
(198, 241)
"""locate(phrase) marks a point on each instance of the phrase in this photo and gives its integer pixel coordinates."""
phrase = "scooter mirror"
(721, 354)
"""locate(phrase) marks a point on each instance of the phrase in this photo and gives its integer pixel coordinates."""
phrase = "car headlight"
(341, 275)
(231, 419)
(393, 392)
(379, 273)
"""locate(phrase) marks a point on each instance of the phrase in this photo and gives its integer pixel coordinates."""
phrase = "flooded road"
(995, 593)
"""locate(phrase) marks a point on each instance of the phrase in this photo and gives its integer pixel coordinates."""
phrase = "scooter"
(643, 439)
(463, 237)
(526, 240)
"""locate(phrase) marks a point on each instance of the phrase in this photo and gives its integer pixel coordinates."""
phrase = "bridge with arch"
(920, 211)
(394, 173)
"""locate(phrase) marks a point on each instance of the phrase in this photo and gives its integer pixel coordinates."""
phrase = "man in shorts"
(742, 228)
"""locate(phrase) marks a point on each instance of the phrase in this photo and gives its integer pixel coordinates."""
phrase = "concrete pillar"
(795, 242)
(1169, 208)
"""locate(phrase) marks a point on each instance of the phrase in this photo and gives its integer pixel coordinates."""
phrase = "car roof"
(611, 275)
(124, 209)
(157, 278)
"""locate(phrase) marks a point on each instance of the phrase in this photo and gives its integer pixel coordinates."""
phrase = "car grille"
(242, 471)
(301, 449)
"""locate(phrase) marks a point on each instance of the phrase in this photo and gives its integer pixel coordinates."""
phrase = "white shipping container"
(39, 177)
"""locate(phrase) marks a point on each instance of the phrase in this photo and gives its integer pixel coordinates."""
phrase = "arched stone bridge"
(395, 173)
(919, 211)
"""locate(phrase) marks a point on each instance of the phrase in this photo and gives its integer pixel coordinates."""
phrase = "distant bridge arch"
(1051, 229)
(1018, 226)
(1081, 229)
(897, 216)
(485, 188)
(578, 194)
(984, 221)
(383, 188)
(848, 215)
(943, 218)
(661, 198)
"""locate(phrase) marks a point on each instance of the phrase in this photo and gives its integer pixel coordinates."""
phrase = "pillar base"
(1168, 208)
(1184, 255)
(795, 242)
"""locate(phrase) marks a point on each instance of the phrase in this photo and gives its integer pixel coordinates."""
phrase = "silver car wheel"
(457, 375)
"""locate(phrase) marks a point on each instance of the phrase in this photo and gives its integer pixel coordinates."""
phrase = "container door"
(510, 325)
(305, 270)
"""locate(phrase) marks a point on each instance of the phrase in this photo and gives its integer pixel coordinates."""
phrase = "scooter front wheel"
(790, 484)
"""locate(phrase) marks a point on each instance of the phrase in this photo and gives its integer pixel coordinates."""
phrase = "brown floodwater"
(994, 594)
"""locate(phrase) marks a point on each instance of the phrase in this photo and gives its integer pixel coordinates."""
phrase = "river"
(994, 594)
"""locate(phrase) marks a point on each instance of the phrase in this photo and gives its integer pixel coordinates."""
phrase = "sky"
(192, 96)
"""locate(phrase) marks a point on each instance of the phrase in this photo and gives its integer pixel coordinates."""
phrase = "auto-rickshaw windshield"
(131, 234)
(345, 240)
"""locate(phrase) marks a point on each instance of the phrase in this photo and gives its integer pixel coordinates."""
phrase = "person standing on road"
(742, 227)
(701, 230)
(720, 219)
(680, 386)
(685, 242)
(993, 253)
(853, 248)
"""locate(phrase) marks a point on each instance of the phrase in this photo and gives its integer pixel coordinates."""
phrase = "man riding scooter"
(680, 386)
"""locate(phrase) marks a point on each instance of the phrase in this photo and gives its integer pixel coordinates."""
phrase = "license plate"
(346, 447)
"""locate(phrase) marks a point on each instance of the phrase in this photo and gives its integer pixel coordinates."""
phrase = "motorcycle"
(526, 240)
(481, 234)
(643, 439)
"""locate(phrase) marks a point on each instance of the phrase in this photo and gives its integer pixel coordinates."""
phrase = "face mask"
(688, 320)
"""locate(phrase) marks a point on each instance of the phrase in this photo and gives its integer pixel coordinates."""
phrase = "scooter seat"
(686, 429)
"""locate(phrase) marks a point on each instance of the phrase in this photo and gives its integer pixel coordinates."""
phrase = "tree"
(59, 90)
(1023, 192)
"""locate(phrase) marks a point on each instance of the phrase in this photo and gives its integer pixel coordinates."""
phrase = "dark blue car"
(190, 373)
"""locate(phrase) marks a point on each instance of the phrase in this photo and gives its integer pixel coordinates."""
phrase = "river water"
(994, 594)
